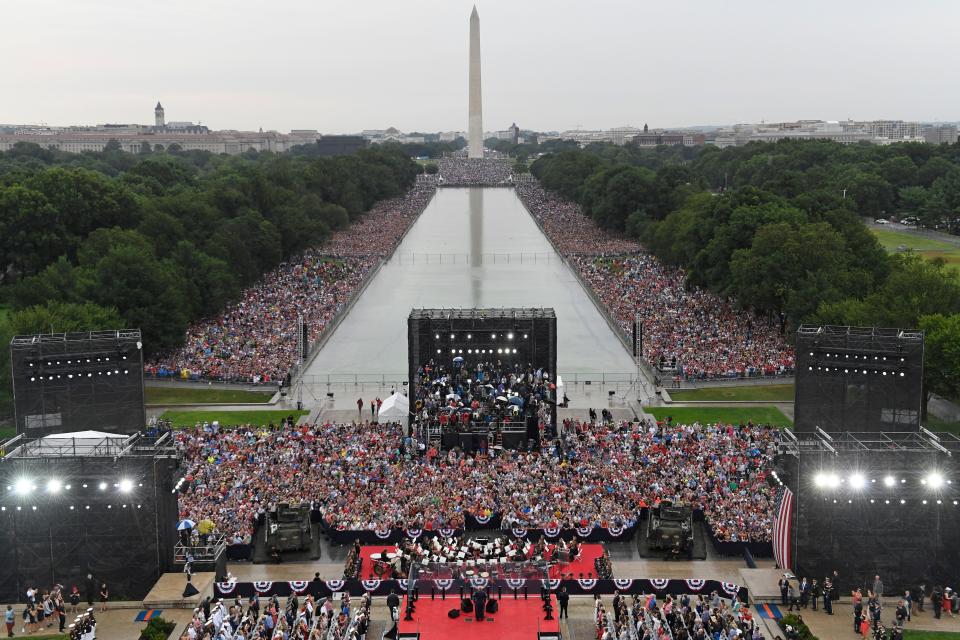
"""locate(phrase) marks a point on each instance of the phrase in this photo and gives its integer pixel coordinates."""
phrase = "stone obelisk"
(475, 128)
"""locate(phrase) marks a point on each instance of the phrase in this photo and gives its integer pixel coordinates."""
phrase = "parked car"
(882, 221)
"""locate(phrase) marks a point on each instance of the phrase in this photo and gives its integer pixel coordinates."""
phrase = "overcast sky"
(346, 65)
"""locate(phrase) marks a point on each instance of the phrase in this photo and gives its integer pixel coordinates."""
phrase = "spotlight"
(509, 336)
(524, 336)
(469, 336)
(499, 350)
(438, 350)
(452, 336)
(514, 350)
(102, 486)
(453, 350)
(935, 480)
(22, 486)
(857, 481)
(493, 335)
(126, 486)
(437, 336)
(469, 350)
(820, 480)
(902, 501)
(889, 481)
(53, 486)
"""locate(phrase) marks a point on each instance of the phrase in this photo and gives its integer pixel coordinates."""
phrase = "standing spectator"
(359, 408)
(878, 587)
(10, 618)
(784, 589)
(104, 596)
(61, 612)
(563, 599)
(74, 598)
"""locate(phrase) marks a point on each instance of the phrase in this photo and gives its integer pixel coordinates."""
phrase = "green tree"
(941, 354)
(763, 279)
(31, 232)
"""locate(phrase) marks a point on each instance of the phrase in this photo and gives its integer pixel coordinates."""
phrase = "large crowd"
(644, 617)
(699, 334)
(372, 477)
(297, 619)
(255, 338)
(463, 171)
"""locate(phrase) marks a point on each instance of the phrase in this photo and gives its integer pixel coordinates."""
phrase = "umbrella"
(206, 526)
(186, 524)
(458, 359)
(516, 400)
(501, 399)
(453, 395)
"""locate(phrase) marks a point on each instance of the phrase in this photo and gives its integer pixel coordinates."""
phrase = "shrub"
(801, 631)
(157, 629)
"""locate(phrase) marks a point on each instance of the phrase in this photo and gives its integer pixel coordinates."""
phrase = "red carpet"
(584, 566)
(516, 620)
(366, 569)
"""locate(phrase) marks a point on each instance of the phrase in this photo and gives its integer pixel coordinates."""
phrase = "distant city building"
(940, 133)
(132, 137)
(380, 136)
(511, 133)
(624, 135)
(843, 132)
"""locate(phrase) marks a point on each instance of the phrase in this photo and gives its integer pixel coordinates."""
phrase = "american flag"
(783, 529)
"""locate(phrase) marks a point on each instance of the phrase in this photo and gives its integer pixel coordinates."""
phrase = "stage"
(515, 620)
(583, 567)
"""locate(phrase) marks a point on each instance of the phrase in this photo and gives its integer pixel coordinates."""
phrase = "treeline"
(778, 227)
(160, 240)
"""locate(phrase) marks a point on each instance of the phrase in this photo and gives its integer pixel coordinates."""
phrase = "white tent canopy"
(396, 407)
(78, 443)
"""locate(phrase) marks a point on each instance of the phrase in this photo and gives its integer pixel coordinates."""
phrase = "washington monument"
(475, 128)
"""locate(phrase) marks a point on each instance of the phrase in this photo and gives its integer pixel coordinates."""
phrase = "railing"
(399, 379)
(201, 553)
(474, 259)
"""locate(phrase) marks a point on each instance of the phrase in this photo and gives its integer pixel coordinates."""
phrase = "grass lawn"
(928, 247)
(7, 432)
(768, 392)
(913, 634)
(730, 415)
(203, 395)
(935, 424)
(226, 418)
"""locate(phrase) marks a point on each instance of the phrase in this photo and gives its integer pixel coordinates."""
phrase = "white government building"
(132, 137)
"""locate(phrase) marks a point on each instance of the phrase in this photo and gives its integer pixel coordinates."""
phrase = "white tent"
(78, 443)
(396, 407)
